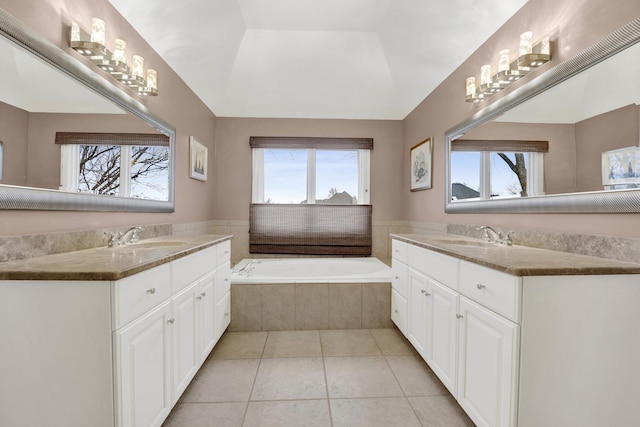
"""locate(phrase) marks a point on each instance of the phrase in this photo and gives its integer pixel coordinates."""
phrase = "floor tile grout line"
(255, 378)
(326, 380)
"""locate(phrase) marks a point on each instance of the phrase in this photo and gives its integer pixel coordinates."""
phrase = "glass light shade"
(471, 86)
(119, 49)
(485, 74)
(152, 79)
(545, 46)
(137, 66)
(98, 31)
(75, 32)
(526, 43)
(503, 60)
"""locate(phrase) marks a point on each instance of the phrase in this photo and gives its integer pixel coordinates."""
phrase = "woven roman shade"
(94, 138)
(310, 229)
(511, 146)
(320, 143)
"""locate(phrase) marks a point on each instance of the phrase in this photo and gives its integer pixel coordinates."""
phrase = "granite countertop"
(518, 260)
(108, 263)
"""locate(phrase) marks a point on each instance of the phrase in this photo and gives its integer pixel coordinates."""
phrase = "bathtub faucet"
(246, 269)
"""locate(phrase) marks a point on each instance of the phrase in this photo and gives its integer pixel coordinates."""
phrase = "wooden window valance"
(311, 142)
(310, 229)
(96, 138)
(515, 146)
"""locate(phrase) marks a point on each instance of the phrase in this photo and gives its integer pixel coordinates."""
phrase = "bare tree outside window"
(99, 169)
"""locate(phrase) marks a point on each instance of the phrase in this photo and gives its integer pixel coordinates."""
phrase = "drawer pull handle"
(203, 294)
(480, 286)
(459, 316)
(172, 320)
(226, 279)
(397, 277)
(151, 291)
(226, 314)
(427, 294)
(396, 311)
(423, 291)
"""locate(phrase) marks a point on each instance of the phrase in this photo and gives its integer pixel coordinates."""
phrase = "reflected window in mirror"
(486, 170)
(137, 166)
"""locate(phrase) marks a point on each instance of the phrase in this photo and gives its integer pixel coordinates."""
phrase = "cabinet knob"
(172, 320)
(226, 314)
(459, 316)
(427, 294)
(396, 311)
(423, 291)
(480, 286)
(203, 294)
(151, 291)
(397, 277)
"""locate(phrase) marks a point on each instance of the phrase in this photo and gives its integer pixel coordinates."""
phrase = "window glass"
(465, 175)
(508, 175)
(150, 172)
(99, 171)
(337, 177)
(285, 175)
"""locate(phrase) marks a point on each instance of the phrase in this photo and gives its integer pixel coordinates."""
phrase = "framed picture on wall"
(198, 160)
(421, 165)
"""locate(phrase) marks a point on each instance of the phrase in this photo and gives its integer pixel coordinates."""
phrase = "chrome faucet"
(119, 238)
(494, 236)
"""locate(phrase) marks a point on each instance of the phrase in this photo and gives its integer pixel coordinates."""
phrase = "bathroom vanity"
(109, 336)
(522, 336)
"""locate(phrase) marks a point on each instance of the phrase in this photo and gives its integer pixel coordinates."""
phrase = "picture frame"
(421, 165)
(198, 160)
(621, 168)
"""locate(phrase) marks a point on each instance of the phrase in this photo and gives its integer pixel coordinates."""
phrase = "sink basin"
(475, 243)
(151, 245)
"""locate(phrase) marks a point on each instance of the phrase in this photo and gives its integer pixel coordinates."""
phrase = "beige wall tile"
(246, 313)
(278, 307)
(312, 306)
(376, 305)
(345, 305)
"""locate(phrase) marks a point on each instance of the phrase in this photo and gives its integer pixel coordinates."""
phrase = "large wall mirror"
(68, 135)
(567, 141)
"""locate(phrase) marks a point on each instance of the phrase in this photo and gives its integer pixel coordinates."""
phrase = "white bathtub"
(310, 270)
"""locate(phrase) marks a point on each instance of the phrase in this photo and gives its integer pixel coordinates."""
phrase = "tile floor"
(357, 377)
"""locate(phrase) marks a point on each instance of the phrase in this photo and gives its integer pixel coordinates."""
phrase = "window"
(136, 165)
(496, 169)
(288, 175)
(310, 196)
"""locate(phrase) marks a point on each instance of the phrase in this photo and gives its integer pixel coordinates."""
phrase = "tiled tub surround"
(310, 293)
(521, 336)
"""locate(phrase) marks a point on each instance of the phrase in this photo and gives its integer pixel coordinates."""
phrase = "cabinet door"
(488, 363)
(185, 338)
(207, 305)
(143, 369)
(222, 315)
(417, 307)
(442, 333)
(399, 311)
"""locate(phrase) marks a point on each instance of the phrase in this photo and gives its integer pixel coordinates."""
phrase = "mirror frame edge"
(612, 201)
(14, 197)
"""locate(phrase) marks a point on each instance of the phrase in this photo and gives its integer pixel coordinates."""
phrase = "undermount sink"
(477, 243)
(151, 245)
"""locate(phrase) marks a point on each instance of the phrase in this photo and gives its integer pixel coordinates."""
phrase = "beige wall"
(233, 159)
(573, 25)
(176, 104)
(14, 135)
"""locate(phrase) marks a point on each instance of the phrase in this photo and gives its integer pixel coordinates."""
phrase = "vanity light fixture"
(530, 57)
(93, 47)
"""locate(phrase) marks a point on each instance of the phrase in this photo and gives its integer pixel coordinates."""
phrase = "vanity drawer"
(188, 269)
(440, 267)
(223, 250)
(223, 280)
(137, 294)
(400, 277)
(493, 289)
(399, 250)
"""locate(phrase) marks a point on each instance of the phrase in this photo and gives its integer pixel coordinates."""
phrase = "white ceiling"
(348, 59)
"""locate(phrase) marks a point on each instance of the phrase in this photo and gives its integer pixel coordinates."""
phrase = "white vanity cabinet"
(109, 353)
(400, 286)
(527, 351)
